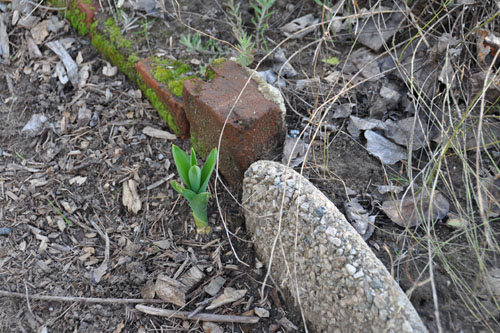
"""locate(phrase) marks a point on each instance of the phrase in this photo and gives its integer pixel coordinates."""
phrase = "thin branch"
(200, 316)
(4, 293)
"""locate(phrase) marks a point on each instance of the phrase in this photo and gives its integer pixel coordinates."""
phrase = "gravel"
(341, 285)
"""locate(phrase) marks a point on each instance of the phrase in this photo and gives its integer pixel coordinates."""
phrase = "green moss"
(77, 20)
(116, 36)
(217, 62)
(111, 52)
(210, 73)
(133, 58)
(159, 106)
(172, 73)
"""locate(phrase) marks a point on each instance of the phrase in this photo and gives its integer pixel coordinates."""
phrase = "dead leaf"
(130, 197)
(378, 28)
(148, 291)
(230, 295)
(170, 290)
(411, 212)
(119, 327)
(70, 207)
(300, 27)
(407, 132)
(359, 218)
(387, 151)
(294, 153)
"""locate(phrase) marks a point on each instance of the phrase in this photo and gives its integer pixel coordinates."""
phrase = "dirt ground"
(61, 198)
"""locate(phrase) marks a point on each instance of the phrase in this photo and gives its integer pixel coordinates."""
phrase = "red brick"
(172, 103)
(255, 129)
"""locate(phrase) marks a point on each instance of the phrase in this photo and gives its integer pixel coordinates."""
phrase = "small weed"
(262, 15)
(58, 211)
(194, 44)
(245, 44)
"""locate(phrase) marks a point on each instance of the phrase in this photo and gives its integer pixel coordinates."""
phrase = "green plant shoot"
(195, 181)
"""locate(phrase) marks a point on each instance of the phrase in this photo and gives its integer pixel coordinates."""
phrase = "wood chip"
(130, 197)
(230, 295)
(39, 32)
(170, 290)
(4, 40)
(157, 133)
(69, 63)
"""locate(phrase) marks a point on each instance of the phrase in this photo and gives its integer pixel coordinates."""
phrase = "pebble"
(350, 269)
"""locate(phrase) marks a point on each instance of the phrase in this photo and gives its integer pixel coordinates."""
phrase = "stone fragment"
(363, 297)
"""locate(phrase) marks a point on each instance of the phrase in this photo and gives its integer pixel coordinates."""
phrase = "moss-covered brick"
(171, 73)
(107, 46)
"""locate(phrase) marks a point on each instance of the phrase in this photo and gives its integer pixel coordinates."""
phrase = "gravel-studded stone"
(343, 286)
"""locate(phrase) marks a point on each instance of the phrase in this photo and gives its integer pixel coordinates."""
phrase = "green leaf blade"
(193, 157)
(207, 170)
(199, 208)
(187, 194)
(182, 163)
(195, 178)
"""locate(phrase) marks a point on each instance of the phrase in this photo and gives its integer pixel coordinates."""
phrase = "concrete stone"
(173, 105)
(341, 284)
(252, 125)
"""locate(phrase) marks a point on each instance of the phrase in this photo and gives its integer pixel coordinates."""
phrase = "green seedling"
(58, 211)
(194, 44)
(262, 14)
(245, 45)
(195, 181)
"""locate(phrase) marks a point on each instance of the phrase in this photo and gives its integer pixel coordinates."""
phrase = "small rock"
(350, 269)
(262, 313)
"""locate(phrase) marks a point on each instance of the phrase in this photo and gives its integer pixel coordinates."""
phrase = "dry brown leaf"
(411, 212)
(130, 197)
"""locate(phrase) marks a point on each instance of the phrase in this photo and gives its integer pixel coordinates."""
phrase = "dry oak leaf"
(412, 211)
